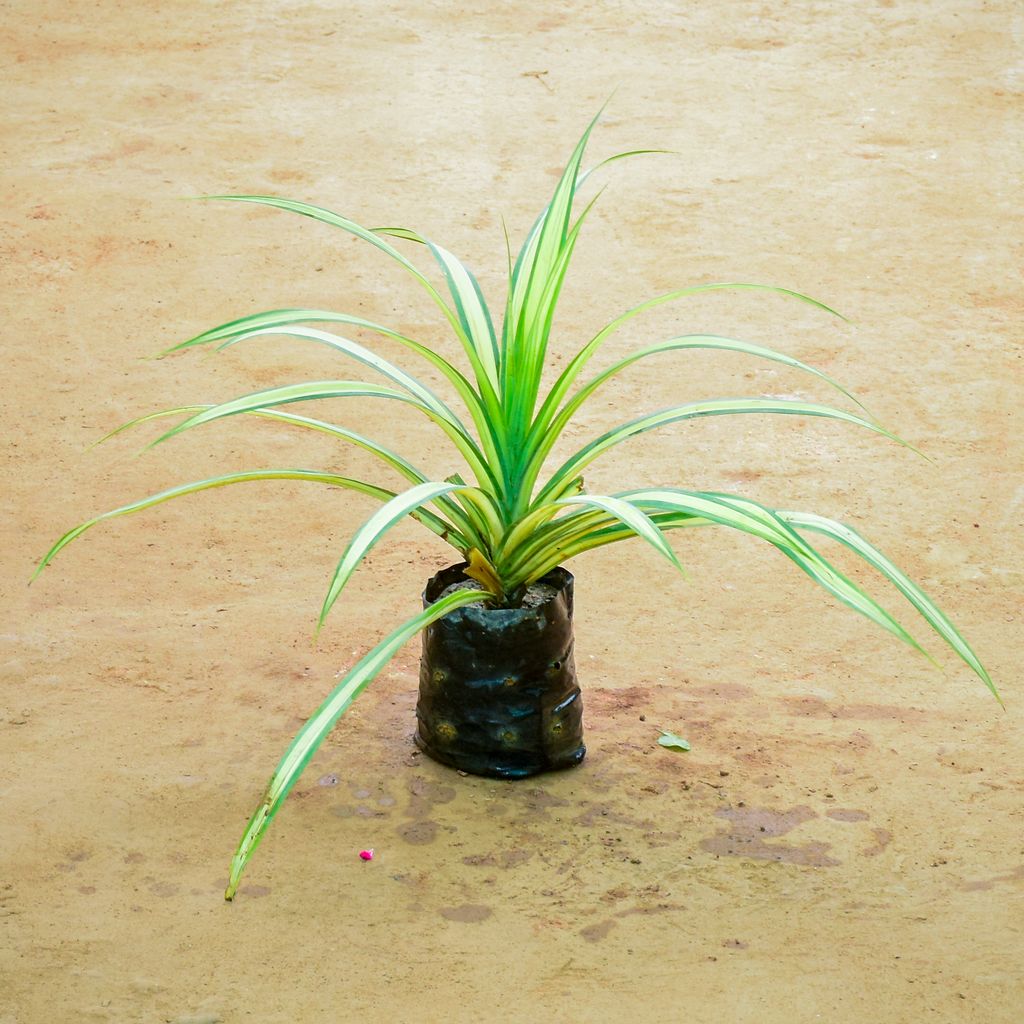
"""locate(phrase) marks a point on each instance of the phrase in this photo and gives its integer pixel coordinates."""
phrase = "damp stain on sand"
(466, 913)
(983, 884)
(846, 814)
(424, 795)
(751, 828)
(882, 837)
(504, 859)
(418, 833)
(596, 932)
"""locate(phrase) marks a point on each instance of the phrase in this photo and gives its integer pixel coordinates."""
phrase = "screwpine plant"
(514, 519)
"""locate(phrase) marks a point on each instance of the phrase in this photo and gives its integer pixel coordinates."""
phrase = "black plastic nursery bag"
(498, 693)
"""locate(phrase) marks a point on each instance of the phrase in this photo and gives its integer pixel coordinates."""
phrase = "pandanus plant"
(518, 519)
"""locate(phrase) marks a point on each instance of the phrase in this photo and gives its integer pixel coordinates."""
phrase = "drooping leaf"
(315, 390)
(546, 431)
(394, 510)
(428, 519)
(575, 366)
(457, 535)
(695, 410)
(320, 723)
(487, 420)
(691, 341)
(363, 355)
(931, 612)
(326, 216)
(630, 516)
(751, 517)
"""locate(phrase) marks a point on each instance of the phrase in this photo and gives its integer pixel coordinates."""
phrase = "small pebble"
(366, 854)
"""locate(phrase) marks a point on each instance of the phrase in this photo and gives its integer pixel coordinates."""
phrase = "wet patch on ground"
(751, 829)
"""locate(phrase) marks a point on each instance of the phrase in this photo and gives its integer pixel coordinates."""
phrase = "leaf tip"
(314, 640)
(987, 680)
(156, 441)
(44, 563)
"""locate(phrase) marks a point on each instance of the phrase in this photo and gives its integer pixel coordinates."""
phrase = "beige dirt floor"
(843, 843)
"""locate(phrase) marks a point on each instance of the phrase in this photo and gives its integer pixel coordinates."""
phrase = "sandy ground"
(844, 842)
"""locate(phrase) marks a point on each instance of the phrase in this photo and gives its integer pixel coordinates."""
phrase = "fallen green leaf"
(672, 741)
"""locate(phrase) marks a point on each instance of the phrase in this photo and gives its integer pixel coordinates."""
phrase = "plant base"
(498, 693)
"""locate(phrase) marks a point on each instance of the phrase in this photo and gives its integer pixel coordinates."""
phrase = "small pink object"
(366, 854)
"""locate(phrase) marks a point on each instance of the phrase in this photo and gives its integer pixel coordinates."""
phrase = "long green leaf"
(932, 614)
(374, 529)
(584, 539)
(486, 419)
(320, 723)
(615, 532)
(393, 459)
(287, 317)
(313, 390)
(365, 356)
(538, 329)
(631, 517)
(519, 273)
(527, 384)
(281, 318)
(566, 539)
(694, 341)
(517, 279)
(472, 311)
(463, 538)
(336, 220)
(548, 545)
(760, 521)
(555, 227)
(694, 410)
(529, 283)
(541, 442)
(428, 519)
(600, 165)
(565, 380)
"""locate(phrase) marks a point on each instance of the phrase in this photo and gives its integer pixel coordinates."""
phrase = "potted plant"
(497, 685)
